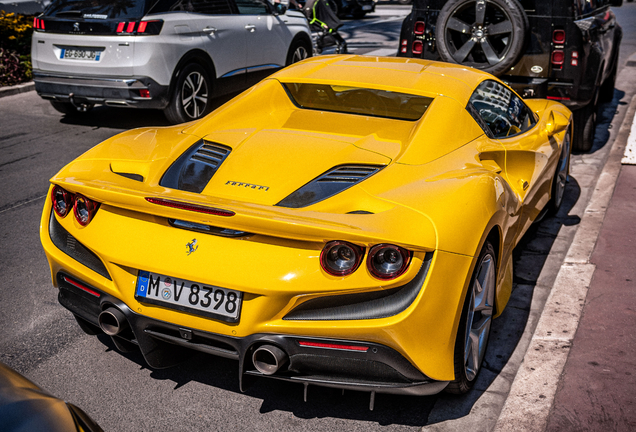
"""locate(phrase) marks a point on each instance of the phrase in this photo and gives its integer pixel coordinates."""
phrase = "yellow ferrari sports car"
(347, 222)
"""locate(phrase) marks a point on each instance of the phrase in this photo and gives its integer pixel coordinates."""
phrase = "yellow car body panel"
(443, 188)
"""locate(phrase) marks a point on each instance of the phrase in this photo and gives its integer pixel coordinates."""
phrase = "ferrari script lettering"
(247, 185)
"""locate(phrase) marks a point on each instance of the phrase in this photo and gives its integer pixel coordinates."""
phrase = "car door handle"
(250, 27)
(209, 30)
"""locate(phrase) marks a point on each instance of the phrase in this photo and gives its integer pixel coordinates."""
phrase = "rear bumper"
(112, 91)
(377, 369)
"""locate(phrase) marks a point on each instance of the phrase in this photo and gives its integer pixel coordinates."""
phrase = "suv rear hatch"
(89, 37)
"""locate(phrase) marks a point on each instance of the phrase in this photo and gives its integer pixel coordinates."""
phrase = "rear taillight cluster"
(384, 261)
(84, 208)
(417, 47)
(38, 23)
(139, 27)
(558, 53)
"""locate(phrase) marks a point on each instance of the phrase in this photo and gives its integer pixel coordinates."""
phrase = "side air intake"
(329, 184)
(194, 168)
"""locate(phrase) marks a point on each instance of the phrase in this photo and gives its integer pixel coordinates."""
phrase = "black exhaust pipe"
(268, 359)
(112, 321)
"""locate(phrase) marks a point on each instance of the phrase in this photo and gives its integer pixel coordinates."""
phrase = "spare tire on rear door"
(489, 35)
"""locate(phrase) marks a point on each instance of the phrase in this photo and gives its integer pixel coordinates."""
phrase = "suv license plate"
(80, 54)
(187, 296)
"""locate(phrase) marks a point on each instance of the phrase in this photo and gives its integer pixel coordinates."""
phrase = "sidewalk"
(597, 391)
(583, 377)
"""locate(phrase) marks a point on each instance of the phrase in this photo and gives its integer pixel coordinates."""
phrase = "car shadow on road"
(126, 118)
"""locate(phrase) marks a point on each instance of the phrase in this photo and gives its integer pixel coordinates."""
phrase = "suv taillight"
(38, 24)
(139, 27)
(417, 47)
(558, 57)
(419, 28)
(558, 37)
(558, 54)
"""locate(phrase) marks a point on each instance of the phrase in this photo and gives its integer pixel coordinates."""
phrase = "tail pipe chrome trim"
(112, 321)
(268, 359)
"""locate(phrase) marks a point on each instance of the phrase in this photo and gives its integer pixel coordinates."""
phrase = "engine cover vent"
(329, 184)
(194, 168)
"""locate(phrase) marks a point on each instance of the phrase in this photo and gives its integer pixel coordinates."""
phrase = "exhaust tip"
(268, 359)
(112, 321)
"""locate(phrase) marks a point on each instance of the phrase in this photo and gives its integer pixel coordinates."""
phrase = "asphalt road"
(40, 339)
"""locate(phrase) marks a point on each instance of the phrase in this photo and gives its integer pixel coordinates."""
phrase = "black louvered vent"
(329, 184)
(211, 154)
(194, 169)
(348, 174)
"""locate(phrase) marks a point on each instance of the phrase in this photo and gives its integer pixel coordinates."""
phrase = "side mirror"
(556, 123)
(280, 9)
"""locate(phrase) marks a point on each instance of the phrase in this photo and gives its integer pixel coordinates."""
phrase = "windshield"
(102, 9)
(357, 100)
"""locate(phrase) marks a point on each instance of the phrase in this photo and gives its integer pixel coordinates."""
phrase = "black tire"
(359, 15)
(491, 38)
(467, 366)
(560, 176)
(70, 109)
(191, 96)
(299, 50)
(584, 127)
(606, 92)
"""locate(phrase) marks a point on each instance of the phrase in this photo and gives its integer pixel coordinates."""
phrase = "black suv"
(564, 50)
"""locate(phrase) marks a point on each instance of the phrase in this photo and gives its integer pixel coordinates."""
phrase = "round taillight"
(84, 209)
(340, 258)
(62, 201)
(388, 261)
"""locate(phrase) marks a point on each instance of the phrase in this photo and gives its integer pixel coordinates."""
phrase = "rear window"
(358, 100)
(103, 9)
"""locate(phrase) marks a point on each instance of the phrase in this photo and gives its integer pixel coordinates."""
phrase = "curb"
(534, 387)
(17, 89)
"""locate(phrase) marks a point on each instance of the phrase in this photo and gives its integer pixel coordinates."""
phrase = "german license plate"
(187, 296)
(366, 7)
(80, 54)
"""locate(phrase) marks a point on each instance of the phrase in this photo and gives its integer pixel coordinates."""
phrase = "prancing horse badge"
(192, 246)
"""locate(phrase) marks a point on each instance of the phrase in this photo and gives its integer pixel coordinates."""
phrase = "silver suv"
(173, 55)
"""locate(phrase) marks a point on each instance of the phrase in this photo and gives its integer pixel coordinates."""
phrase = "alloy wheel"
(562, 172)
(480, 32)
(479, 316)
(194, 95)
(300, 54)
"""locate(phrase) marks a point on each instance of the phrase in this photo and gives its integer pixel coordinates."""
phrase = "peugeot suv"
(173, 55)
(565, 50)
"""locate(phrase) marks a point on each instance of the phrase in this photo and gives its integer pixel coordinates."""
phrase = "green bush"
(15, 48)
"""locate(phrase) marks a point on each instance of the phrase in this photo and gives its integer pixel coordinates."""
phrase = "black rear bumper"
(377, 369)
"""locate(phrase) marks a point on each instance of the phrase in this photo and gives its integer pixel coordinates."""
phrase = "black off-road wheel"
(606, 92)
(584, 127)
(191, 96)
(489, 35)
(299, 50)
(475, 322)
